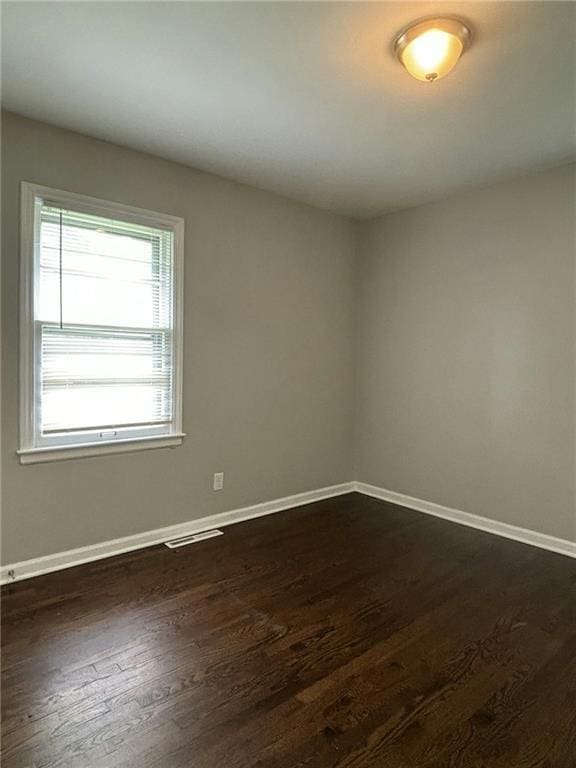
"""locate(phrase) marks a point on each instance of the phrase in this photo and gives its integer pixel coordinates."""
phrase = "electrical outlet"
(218, 481)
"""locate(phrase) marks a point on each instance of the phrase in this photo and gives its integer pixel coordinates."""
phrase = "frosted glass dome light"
(431, 49)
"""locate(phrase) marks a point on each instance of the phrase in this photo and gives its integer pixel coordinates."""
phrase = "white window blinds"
(105, 323)
(103, 327)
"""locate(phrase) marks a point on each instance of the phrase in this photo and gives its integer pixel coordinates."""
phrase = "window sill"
(64, 452)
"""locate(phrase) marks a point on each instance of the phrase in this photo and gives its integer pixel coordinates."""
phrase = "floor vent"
(193, 539)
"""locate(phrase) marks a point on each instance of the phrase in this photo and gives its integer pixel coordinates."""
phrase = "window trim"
(28, 451)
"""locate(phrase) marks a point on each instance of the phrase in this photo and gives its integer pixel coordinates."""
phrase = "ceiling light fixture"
(430, 49)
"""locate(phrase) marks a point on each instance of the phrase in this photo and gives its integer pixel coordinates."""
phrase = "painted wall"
(466, 353)
(268, 373)
(442, 337)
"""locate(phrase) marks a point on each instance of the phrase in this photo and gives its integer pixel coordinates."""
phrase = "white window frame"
(31, 196)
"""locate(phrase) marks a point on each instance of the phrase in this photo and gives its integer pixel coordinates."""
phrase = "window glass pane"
(97, 271)
(96, 408)
(95, 377)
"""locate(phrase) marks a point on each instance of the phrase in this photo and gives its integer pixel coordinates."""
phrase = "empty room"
(288, 384)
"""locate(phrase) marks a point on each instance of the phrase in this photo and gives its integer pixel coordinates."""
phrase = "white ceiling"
(305, 99)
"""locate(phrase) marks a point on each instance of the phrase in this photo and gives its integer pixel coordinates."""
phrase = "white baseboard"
(524, 535)
(39, 565)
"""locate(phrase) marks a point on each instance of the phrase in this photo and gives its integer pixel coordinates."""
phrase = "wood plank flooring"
(349, 633)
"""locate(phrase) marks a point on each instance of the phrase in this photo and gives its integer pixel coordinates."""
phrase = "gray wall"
(442, 336)
(268, 368)
(466, 353)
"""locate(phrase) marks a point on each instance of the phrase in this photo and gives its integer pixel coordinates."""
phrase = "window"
(101, 327)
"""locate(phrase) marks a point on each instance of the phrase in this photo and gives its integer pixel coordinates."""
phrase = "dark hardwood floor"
(349, 633)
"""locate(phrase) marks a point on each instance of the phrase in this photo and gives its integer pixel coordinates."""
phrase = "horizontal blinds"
(104, 323)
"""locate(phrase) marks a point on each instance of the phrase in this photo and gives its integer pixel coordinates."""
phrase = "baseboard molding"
(524, 535)
(61, 560)
(56, 562)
